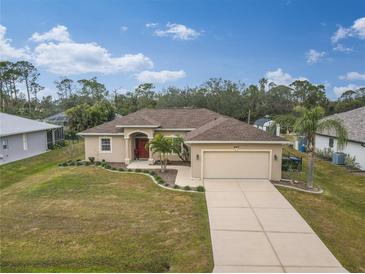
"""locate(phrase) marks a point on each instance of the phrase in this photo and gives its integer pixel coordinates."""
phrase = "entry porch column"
(150, 156)
(127, 159)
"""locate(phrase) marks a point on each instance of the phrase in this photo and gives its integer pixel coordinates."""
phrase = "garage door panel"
(236, 164)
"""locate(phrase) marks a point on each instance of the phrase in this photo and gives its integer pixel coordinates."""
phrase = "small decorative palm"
(161, 145)
(308, 125)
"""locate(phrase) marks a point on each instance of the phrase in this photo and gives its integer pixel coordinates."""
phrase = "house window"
(330, 142)
(25, 142)
(105, 144)
(4, 143)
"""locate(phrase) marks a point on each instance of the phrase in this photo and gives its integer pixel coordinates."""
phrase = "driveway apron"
(255, 229)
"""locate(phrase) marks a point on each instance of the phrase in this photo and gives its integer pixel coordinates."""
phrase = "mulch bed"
(169, 176)
(118, 165)
(173, 163)
(299, 185)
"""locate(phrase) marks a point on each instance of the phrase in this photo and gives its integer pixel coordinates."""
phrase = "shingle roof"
(108, 127)
(11, 125)
(208, 125)
(354, 122)
(57, 118)
(229, 129)
(172, 118)
(176, 117)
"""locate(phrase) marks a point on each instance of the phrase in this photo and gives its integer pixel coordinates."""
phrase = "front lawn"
(86, 219)
(16, 171)
(338, 215)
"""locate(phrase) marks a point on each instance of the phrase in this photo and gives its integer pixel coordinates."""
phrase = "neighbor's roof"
(354, 122)
(11, 125)
(230, 129)
(57, 118)
(261, 122)
(166, 118)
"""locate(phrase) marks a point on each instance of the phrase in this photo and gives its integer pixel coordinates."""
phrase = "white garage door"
(236, 164)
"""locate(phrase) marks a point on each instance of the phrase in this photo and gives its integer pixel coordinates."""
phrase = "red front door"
(141, 150)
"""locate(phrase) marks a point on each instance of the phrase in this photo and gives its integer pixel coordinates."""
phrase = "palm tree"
(308, 124)
(161, 145)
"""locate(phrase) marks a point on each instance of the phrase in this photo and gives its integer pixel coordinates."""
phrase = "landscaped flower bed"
(151, 173)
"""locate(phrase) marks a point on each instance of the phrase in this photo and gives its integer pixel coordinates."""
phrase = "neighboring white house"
(354, 122)
(22, 138)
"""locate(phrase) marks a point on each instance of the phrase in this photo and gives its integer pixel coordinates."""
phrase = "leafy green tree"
(309, 95)
(46, 107)
(309, 124)
(279, 100)
(91, 88)
(29, 75)
(65, 87)
(174, 97)
(142, 97)
(99, 113)
(286, 122)
(125, 103)
(263, 82)
(78, 117)
(255, 104)
(9, 77)
(145, 96)
(85, 116)
(224, 96)
(348, 95)
(179, 147)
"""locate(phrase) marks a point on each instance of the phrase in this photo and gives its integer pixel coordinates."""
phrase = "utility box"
(338, 158)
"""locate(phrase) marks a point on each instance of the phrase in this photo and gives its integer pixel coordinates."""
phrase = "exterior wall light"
(275, 157)
(197, 157)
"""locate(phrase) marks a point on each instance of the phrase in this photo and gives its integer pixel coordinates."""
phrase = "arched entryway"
(140, 149)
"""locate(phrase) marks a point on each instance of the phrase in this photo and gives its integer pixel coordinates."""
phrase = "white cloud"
(66, 57)
(123, 28)
(314, 56)
(340, 34)
(7, 51)
(59, 54)
(280, 77)
(342, 48)
(151, 25)
(162, 76)
(58, 33)
(77, 58)
(178, 32)
(356, 30)
(339, 90)
(359, 28)
(353, 75)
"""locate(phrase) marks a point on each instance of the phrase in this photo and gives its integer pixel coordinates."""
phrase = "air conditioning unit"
(338, 158)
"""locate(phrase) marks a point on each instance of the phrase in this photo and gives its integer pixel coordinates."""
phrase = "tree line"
(88, 103)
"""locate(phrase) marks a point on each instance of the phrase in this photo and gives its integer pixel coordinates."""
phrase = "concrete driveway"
(255, 229)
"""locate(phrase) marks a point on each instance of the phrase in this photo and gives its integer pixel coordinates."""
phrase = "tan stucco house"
(220, 146)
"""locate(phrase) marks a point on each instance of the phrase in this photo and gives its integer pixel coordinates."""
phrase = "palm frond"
(338, 127)
(307, 124)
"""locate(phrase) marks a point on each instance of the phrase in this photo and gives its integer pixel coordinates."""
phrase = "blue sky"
(183, 43)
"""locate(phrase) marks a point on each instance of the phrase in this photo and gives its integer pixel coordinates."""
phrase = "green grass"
(16, 171)
(338, 215)
(86, 219)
